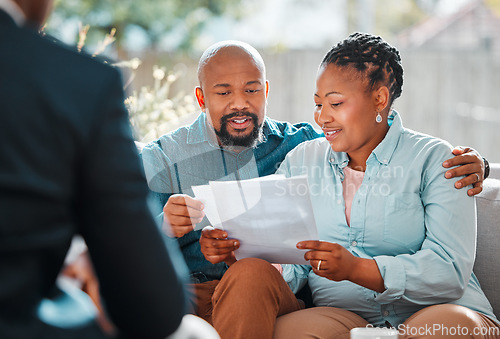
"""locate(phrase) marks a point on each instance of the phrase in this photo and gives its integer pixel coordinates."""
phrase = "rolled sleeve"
(394, 274)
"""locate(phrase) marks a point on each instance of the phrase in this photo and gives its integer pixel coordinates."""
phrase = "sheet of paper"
(267, 215)
(205, 195)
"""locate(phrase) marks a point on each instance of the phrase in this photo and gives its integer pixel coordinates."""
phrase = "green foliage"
(154, 17)
(154, 111)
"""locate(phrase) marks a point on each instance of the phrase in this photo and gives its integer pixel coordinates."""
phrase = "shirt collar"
(202, 131)
(14, 11)
(383, 152)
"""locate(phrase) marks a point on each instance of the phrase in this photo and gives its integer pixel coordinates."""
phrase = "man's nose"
(238, 102)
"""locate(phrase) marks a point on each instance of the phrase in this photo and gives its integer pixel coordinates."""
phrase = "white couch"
(487, 266)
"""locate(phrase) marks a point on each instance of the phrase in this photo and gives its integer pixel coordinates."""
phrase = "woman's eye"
(336, 104)
(318, 106)
(222, 93)
(252, 90)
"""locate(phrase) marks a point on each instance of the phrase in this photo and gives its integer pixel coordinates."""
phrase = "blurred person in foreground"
(69, 166)
(233, 139)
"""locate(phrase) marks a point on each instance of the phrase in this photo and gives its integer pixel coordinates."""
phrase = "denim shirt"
(191, 156)
(418, 228)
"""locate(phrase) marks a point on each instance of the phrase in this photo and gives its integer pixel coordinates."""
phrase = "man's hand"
(82, 271)
(183, 213)
(471, 166)
(216, 247)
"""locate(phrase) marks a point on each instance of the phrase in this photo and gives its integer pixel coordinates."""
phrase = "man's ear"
(199, 96)
(381, 98)
(267, 88)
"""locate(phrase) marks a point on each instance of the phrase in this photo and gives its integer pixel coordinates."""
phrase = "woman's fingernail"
(459, 185)
(447, 175)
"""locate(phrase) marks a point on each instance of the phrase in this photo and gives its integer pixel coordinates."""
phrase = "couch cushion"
(487, 266)
(494, 171)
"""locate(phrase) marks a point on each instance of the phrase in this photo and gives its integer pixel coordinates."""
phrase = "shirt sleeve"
(440, 271)
(158, 171)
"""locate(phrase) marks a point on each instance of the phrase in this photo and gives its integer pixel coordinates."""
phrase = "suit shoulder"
(61, 60)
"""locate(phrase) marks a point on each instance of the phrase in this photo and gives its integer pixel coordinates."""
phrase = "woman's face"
(346, 111)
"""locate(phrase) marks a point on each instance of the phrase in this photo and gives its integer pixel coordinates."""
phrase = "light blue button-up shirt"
(420, 230)
(191, 156)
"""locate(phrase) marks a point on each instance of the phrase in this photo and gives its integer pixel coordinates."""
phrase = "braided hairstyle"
(373, 58)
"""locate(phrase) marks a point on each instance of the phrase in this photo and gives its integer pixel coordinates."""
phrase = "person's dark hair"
(371, 56)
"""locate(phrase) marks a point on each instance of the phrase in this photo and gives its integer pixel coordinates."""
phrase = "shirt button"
(354, 243)
(386, 313)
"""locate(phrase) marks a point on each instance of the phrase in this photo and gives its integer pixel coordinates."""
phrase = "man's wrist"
(486, 168)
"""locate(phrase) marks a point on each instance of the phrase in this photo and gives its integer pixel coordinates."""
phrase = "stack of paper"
(268, 215)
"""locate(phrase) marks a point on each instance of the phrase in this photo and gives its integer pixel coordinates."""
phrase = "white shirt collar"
(14, 11)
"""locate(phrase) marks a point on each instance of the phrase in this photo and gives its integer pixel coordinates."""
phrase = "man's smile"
(240, 123)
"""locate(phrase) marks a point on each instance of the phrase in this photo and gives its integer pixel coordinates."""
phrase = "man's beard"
(249, 140)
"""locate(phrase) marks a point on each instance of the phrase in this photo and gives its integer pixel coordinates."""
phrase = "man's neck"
(14, 11)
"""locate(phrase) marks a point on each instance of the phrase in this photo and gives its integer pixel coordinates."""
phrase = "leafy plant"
(153, 112)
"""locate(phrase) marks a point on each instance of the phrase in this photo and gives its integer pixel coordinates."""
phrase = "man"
(232, 139)
(69, 165)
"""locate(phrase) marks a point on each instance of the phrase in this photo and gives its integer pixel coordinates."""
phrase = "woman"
(398, 243)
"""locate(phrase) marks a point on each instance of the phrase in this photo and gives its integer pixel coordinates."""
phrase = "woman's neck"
(357, 158)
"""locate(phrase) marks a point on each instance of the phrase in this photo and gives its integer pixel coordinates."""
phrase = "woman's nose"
(323, 116)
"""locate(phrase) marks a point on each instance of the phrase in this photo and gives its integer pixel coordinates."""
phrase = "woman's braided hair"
(371, 56)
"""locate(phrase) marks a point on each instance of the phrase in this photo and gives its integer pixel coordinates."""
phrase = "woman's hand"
(334, 262)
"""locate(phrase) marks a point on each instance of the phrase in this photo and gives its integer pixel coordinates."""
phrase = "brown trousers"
(246, 301)
(438, 321)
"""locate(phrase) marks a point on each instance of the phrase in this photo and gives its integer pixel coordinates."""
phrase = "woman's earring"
(378, 118)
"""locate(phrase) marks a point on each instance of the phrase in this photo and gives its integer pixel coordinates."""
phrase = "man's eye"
(336, 104)
(252, 90)
(318, 106)
(222, 93)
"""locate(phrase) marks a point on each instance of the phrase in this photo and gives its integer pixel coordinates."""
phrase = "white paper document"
(268, 215)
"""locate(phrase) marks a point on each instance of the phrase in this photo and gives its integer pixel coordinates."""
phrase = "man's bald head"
(230, 48)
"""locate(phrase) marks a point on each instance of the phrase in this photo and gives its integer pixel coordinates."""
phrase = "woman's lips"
(240, 122)
(331, 134)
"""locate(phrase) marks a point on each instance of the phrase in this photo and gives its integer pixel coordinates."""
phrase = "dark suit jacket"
(68, 165)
